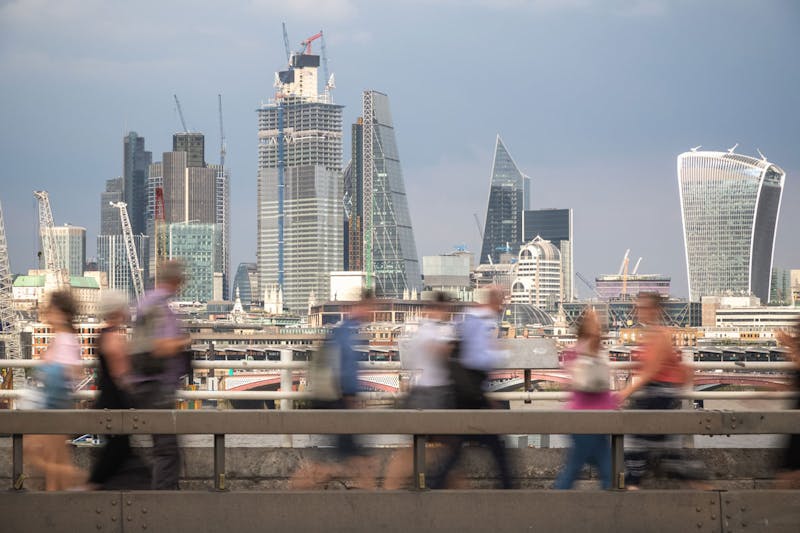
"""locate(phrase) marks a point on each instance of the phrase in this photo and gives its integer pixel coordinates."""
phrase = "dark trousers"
(586, 449)
(112, 457)
(166, 452)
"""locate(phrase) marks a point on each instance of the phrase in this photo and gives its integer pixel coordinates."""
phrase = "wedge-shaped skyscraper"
(508, 198)
(729, 204)
(378, 227)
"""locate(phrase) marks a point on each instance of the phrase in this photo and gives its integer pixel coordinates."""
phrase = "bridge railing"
(417, 423)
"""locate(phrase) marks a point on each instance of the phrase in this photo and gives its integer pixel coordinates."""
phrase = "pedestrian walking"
(789, 467)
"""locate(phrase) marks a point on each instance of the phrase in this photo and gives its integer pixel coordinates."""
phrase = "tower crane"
(222, 147)
(478, 225)
(130, 248)
(180, 113)
(52, 261)
(589, 284)
(9, 329)
(306, 49)
(286, 43)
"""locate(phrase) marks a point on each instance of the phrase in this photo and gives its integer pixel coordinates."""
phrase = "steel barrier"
(417, 423)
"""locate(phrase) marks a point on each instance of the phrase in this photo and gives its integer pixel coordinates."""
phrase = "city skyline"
(612, 162)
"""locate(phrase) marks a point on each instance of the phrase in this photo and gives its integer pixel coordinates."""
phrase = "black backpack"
(467, 382)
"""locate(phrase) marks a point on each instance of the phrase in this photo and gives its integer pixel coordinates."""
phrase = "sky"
(593, 98)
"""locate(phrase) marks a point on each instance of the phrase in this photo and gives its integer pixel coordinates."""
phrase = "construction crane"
(130, 248)
(307, 43)
(180, 113)
(589, 284)
(286, 43)
(306, 49)
(9, 329)
(623, 271)
(478, 225)
(222, 147)
(636, 267)
(52, 261)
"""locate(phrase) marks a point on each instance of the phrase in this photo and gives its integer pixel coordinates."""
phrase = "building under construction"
(300, 215)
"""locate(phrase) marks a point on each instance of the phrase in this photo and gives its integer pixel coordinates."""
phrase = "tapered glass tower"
(508, 198)
(729, 205)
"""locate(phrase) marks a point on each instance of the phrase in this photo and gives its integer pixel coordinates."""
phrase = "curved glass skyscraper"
(729, 205)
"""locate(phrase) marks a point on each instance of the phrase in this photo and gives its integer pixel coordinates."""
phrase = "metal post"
(527, 374)
(286, 386)
(618, 461)
(419, 462)
(219, 462)
(17, 477)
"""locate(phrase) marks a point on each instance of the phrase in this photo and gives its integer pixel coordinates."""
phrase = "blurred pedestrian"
(475, 355)
(159, 359)
(336, 387)
(428, 354)
(657, 384)
(114, 388)
(58, 375)
(789, 467)
(588, 365)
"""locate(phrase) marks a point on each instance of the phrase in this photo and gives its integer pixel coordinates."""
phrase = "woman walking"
(589, 369)
(789, 467)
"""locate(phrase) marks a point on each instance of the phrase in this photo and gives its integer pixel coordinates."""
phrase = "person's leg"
(438, 479)
(498, 450)
(166, 462)
(601, 455)
(576, 458)
(111, 458)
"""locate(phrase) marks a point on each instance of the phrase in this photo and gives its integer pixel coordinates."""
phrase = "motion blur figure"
(789, 467)
(112, 353)
(58, 376)
(658, 382)
(344, 346)
(588, 365)
(475, 356)
(428, 353)
(158, 362)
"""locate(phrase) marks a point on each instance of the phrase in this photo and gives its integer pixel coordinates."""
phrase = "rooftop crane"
(623, 271)
(130, 248)
(52, 261)
(286, 43)
(180, 113)
(589, 284)
(306, 49)
(636, 267)
(222, 147)
(478, 224)
(9, 329)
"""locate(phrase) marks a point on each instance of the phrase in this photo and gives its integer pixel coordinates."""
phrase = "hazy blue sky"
(594, 99)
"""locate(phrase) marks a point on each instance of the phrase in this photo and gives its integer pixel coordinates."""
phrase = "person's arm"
(790, 342)
(662, 348)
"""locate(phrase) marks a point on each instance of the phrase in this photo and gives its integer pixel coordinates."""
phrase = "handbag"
(590, 373)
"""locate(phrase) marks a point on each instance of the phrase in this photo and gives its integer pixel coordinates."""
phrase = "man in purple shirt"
(159, 361)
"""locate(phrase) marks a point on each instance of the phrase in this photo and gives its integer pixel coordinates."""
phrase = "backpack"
(590, 373)
(324, 379)
(142, 344)
(467, 382)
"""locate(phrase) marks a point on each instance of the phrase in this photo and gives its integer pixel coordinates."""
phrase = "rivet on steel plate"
(144, 510)
(114, 502)
(699, 509)
(699, 525)
(108, 418)
(130, 518)
(713, 517)
(99, 526)
(129, 502)
(98, 511)
(113, 518)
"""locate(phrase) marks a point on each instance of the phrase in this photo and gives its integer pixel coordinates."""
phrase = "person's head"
(588, 325)
(114, 308)
(440, 306)
(495, 299)
(171, 275)
(60, 311)
(362, 310)
(648, 308)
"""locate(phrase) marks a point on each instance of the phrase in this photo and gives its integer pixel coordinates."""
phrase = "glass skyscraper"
(135, 162)
(729, 205)
(508, 198)
(378, 229)
(554, 225)
(300, 189)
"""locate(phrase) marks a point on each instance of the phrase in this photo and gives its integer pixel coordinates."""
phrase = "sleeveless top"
(111, 396)
(671, 369)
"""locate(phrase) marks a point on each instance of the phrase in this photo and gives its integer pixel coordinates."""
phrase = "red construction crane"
(307, 43)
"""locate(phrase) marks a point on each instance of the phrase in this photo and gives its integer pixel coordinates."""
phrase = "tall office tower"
(222, 219)
(508, 198)
(378, 230)
(780, 291)
(729, 205)
(194, 144)
(71, 244)
(299, 186)
(135, 162)
(554, 225)
(112, 258)
(196, 245)
(245, 284)
(109, 215)
(538, 276)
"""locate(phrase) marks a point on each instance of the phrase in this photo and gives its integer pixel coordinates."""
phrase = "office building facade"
(109, 216)
(378, 232)
(112, 259)
(136, 160)
(538, 275)
(70, 242)
(300, 186)
(554, 225)
(729, 206)
(245, 284)
(508, 198)
(196, 245)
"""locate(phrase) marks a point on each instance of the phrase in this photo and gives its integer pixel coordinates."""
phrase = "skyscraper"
(112, 258)
(109, 215)
(538, 279)
(729, 205)
(135, 162)
(554, 225)
(300, 216)
(196, 245)
(245, 284)
(71, 244)
(508, 198)
(378, 229)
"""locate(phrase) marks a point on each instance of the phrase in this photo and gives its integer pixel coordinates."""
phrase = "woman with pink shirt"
(57, 375)
(588, 365)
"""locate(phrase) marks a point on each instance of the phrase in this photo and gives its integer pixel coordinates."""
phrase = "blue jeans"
(593, 450)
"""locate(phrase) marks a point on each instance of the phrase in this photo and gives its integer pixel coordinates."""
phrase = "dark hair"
(65, 303)
(652, 298)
